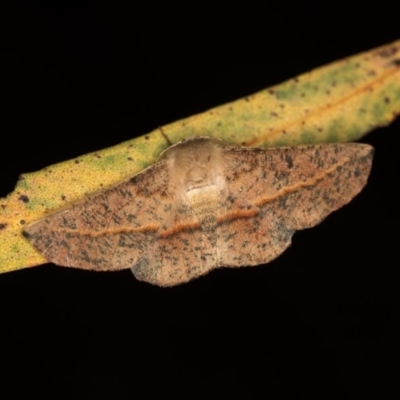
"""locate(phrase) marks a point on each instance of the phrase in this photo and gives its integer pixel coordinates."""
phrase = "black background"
(319, 321)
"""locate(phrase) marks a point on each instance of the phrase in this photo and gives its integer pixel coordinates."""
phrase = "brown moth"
(202, 205)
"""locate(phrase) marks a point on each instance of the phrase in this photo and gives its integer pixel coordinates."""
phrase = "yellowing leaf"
(339, 102)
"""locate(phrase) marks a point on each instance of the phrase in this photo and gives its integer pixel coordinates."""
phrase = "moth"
(204, 204)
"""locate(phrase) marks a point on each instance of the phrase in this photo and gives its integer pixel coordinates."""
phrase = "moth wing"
(112, 230)
(274, 192)
(180, 251)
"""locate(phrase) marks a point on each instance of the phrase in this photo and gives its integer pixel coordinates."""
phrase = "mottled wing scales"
(204, 205)
(111, 230)
(292, 189)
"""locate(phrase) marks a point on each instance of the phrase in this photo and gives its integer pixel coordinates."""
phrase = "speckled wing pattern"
(203, 205)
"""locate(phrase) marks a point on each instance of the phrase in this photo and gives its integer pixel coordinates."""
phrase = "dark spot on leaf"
(24, 198)
(388, 52)
(3, 206)
(22, 222)
(2, 226)
(26, 234)
(271, 91)
(63, 197)
(386, 100)
(274, 114)
(396, 62)
(130, 159)
(146, 137)
(76, 161)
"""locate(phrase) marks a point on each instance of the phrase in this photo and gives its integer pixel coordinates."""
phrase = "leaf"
(338, 102)
(204, 205)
